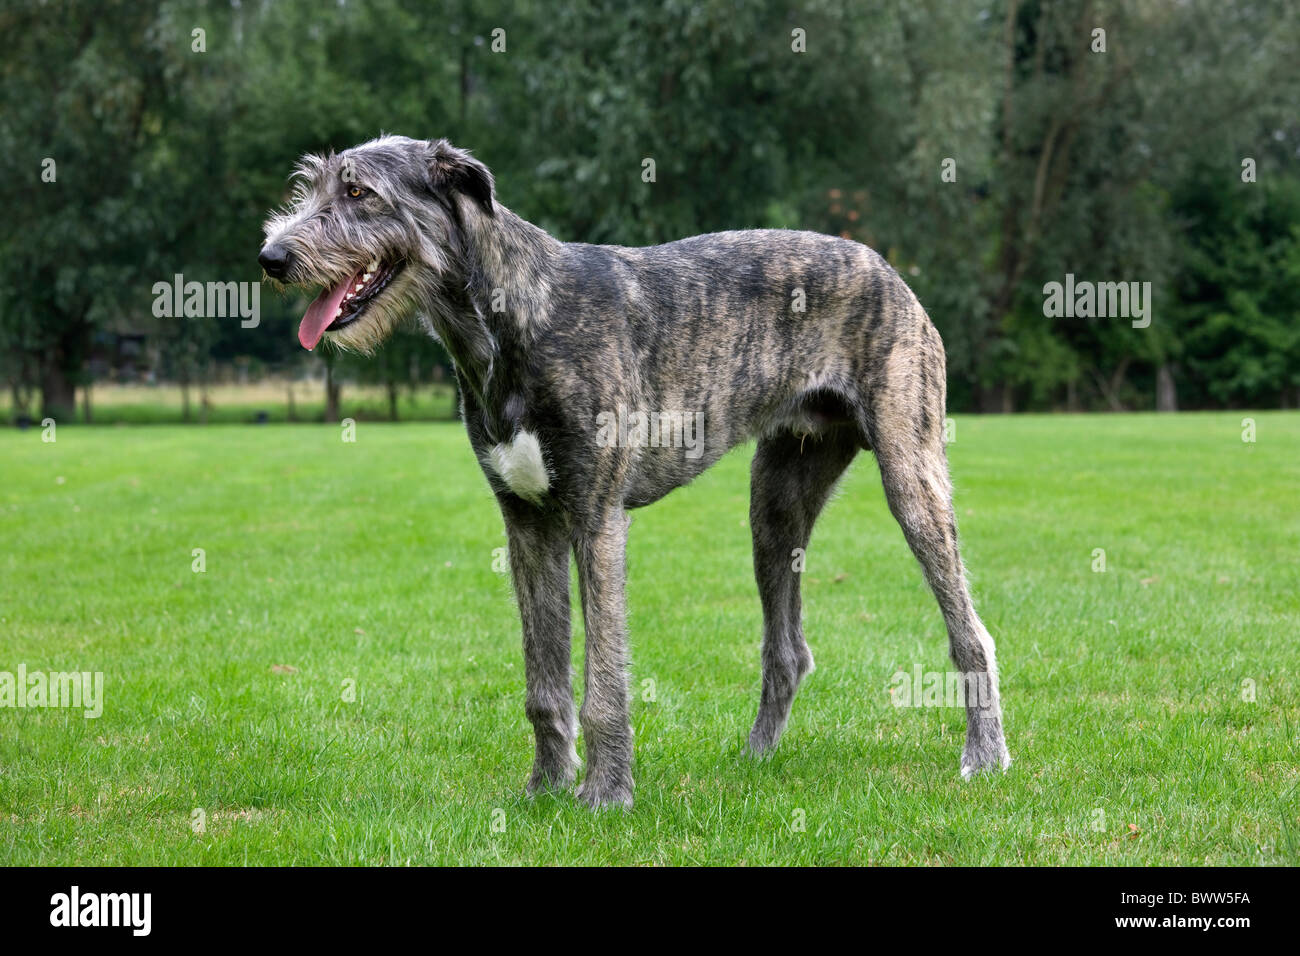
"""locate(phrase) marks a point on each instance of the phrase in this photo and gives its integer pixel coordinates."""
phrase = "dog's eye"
(356, 192)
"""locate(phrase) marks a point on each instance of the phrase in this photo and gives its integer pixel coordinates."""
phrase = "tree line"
(988, 150)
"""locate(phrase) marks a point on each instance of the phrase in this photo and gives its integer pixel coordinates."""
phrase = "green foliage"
(1118, 165)
(1239, 302)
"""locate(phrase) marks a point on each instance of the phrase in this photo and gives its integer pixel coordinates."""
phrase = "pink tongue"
(321, 313)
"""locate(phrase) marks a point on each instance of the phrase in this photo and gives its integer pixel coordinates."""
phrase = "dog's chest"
(519, 463)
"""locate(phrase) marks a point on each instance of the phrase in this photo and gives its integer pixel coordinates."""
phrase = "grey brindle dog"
(813, 345)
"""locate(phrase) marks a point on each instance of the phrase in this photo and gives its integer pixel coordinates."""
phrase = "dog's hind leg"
(539, 565)
(791, 479)
(906, 431)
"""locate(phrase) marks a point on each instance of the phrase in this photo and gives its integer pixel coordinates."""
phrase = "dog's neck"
(501, 303)
(509, 262)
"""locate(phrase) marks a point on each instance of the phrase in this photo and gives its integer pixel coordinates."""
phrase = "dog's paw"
(602, 793)
(554, 776)
(989, 760)
(760, 745)
(769, 726)
(550, 781)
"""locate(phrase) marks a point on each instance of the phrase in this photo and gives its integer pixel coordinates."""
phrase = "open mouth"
(341, 305)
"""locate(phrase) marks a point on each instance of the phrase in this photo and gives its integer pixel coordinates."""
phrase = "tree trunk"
(1110, 390)
(185, 400)
(87, 414)
(994, 399)
(58, 394)
(293, 412)
(1166, 389)
(332, 390)
(392, 400)
(18, 407)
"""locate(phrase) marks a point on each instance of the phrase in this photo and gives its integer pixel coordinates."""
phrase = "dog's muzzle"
(275, 260)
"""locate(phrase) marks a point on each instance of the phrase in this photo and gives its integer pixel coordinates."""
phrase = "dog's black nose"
(275, 260)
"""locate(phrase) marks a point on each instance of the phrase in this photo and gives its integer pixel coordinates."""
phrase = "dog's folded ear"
(455, 169)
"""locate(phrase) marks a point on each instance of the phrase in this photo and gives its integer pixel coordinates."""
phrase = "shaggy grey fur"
(811, 344)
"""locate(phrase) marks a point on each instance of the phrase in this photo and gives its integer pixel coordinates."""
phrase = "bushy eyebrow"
(350, 174)
(309, 167)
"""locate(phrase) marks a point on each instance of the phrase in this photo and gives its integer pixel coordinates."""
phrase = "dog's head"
(381, 228)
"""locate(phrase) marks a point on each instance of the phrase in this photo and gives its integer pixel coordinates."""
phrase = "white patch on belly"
(520, 465)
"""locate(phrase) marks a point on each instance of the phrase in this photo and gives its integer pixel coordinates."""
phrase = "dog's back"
(761, 331)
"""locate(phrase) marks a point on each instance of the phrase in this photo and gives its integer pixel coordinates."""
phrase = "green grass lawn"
(1127, 712)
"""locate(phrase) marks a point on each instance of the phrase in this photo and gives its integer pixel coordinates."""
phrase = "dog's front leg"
(539, 565)
(600, 546)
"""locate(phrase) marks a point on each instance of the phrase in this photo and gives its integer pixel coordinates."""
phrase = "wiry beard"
(381, 318)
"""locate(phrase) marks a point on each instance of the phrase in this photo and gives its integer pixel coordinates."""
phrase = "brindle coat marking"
(547, 335)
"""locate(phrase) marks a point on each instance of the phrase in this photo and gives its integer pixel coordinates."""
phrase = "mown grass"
(267, 401)
(1127, 714)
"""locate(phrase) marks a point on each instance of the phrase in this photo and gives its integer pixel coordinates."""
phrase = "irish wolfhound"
(812, 345)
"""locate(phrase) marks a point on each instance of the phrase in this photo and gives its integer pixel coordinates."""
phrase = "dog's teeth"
(360, 286)
(348, 296)
(374, 264)
(366, 277)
